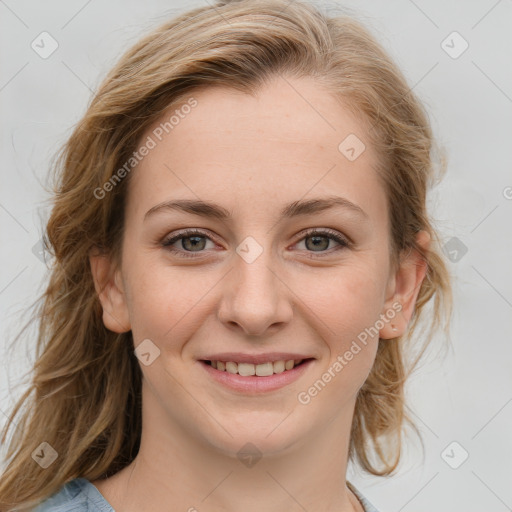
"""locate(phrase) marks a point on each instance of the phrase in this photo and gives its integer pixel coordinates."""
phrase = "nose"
(255, 298)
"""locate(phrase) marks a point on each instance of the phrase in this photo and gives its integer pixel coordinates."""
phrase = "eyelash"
(329, 233)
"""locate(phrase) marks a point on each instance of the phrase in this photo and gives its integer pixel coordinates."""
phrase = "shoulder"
(77, 495)
(368, 507)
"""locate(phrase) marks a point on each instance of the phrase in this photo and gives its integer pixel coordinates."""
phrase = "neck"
(177, 469)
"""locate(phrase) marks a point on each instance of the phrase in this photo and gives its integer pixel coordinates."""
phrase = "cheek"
(347, 299)
(163, 300)
(346, 305)
(339, 303)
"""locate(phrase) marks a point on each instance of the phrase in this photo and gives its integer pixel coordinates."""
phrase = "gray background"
(464, 397)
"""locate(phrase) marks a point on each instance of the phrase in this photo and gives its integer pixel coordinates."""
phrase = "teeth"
(261, 370)
(288, 365)
(279, 366)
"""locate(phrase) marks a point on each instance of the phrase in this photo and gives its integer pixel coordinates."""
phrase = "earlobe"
(407, 284)
(108, 286)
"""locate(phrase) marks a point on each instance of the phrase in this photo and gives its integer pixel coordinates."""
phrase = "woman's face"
(252, 279)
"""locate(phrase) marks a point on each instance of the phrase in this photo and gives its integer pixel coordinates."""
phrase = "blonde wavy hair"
(84, 398)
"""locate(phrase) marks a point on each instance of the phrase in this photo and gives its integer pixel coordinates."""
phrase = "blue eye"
(194, 241)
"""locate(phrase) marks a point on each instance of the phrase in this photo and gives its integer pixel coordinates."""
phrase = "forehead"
(287, 111)
(282, 141)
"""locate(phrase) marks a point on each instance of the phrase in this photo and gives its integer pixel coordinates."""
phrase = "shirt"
(80, 495)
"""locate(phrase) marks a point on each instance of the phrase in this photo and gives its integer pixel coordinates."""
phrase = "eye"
(194, 241)
(190, 243)
(320, 240)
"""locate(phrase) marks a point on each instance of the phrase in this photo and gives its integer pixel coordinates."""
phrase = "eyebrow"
(294, 209)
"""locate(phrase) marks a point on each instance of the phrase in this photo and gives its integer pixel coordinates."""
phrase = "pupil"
(318, 242)
(195, 243)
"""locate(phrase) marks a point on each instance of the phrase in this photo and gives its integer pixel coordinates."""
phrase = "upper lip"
(238, 357)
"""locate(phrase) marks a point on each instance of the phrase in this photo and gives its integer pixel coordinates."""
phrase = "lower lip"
(253, 383)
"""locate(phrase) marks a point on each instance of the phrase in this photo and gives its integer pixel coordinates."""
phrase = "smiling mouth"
(259, 370)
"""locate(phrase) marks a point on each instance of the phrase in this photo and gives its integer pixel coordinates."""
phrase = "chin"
(256, 440)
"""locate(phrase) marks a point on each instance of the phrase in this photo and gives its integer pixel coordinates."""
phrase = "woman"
(242, 252)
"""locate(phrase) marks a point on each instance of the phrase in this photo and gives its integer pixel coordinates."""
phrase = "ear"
(403, 288)
(108, 285)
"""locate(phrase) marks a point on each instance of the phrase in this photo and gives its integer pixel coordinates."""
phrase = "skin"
(253, 156)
